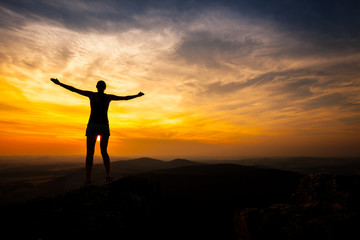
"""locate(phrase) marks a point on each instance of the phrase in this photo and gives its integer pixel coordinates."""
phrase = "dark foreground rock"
(324, 207)
(119, 210)
(189, 202)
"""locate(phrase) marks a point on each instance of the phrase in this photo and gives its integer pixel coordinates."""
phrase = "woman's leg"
(90, 149)
(103, 146)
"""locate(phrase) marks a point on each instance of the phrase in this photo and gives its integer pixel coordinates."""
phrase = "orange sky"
(214, 84)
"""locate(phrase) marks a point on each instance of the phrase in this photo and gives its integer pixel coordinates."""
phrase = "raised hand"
(140, 94)
(54, 80)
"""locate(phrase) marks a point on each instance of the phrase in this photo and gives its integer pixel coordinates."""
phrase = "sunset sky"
(221, 78)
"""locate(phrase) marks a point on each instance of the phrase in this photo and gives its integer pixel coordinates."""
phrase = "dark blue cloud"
(326, 16)
(78, 15)
(327, 25)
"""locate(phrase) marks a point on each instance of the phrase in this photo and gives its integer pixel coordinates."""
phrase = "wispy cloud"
(211, 74)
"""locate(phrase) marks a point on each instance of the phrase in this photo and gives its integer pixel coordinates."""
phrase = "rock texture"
(323, 207)
(118, 210)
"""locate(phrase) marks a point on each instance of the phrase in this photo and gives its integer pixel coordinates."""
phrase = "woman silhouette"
(98, 124)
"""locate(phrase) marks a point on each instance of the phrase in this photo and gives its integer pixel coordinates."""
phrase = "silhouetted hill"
(75, 179)
(147, 164)
(307, 165)
(224, 181)
(203, 198)
(140, 163)
(182, 162)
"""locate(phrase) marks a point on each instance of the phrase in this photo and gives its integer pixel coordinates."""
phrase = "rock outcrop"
(119, 210)
(323, 207)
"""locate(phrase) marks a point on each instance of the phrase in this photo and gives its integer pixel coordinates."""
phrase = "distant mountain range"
(23, 190)
(22, 180)
(306, 165)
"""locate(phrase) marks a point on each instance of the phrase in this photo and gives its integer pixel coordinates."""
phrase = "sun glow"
(212, 86)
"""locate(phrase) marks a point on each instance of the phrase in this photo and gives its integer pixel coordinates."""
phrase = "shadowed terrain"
(22, 181)
(181, 199)
(168, 200)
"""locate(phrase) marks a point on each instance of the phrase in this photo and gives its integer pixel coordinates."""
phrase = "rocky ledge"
(323, 207)
(119, 210)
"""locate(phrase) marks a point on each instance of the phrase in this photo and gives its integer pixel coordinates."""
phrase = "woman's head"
(101, 86)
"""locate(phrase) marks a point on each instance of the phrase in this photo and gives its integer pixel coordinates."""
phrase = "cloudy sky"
(221, 78)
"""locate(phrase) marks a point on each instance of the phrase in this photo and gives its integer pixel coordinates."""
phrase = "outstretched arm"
(70, 88)
(114, 97)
